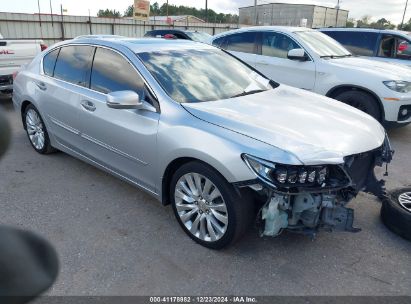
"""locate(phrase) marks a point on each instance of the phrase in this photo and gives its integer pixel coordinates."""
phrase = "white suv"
(311, 60)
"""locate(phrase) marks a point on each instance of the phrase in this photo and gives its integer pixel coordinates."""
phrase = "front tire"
(362, 101)
(207, 207)
(36, 131)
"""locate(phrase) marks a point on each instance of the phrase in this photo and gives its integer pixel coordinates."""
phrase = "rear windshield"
(199, 36)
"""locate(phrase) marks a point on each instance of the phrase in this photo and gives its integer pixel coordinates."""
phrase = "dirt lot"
(113, 239)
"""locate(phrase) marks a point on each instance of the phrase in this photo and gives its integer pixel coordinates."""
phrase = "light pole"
(206, 11)
(403, 16)
(336, 16)
(255, 12)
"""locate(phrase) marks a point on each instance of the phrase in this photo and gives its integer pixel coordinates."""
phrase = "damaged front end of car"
(307, 199)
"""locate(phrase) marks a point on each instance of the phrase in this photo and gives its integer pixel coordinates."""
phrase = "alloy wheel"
(35, 129)
(201, 207)
(405, 200)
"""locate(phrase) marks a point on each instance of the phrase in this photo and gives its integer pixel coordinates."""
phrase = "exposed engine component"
(274, 217)
(306, 199)
(306, 209)
(339, 218)
(306, 213)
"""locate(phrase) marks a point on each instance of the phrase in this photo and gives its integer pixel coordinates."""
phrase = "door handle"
(41, 85)
(88, 105)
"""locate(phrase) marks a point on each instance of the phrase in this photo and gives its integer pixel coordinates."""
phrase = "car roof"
(99, 36)
(168, 30)
(284, 29)
(174, 31)
(361, 29)
(141, 45)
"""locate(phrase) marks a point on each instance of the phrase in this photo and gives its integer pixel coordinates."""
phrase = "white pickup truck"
(14, 54)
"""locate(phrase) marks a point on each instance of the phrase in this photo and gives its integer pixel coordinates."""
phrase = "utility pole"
(336, 17)
(38, 4)
(206, 11)
(51, 13)
(403, 16)
(255, 12)
(62, 22)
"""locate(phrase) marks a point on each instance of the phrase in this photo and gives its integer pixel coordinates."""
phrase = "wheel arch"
(168, 174)
(172, 167)
(23, 108)
(335, 91)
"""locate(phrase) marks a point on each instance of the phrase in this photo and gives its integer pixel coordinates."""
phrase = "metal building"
(312, 16)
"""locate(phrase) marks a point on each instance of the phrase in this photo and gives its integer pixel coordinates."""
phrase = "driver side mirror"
(127, 100)
(297, 54)
(124, 100)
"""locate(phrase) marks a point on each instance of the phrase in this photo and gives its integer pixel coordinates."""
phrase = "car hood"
(313, 128)
(388, 71)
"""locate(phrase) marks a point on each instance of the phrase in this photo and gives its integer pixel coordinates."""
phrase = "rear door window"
(241, 42)
(396, 47)
(49, 62)
(74, 64)
(358, 43)
(403, 50)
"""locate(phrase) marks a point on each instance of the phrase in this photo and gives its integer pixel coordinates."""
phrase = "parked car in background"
(13, 54)
(308, 59)
(180, 34)
(384, 45)
(200, 130)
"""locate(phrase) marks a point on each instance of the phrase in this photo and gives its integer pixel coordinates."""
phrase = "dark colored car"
(180, 34)
(384, 45)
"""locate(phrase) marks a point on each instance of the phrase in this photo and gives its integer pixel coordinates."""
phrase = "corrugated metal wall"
(277, 14)
(292, 14)
(327, 17)
(56, 28)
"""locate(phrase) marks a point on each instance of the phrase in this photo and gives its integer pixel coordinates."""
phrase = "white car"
(311, 60)
(14, 54)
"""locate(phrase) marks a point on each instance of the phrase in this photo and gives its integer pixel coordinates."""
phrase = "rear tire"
(362, 101)
(207, 207)
(36, 131)
(396, 212)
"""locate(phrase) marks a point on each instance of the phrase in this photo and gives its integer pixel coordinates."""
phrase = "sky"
(390, 9)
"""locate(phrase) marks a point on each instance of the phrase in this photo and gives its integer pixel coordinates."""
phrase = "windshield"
(202, 75)
(322, 44)
(199, 36)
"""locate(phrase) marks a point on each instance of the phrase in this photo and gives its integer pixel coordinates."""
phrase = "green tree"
(108, 13)
(382, 24)
(406, 26)
(174, 10)
(350, 22)
(364, 21)
(129, 11)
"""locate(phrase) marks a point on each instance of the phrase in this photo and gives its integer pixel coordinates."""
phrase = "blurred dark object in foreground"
(28, 263)
(4, 133)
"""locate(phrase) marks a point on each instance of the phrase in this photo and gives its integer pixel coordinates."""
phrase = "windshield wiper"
(335, 56)
(248, 93)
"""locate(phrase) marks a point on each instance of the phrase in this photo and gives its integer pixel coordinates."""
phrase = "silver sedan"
(202, 131)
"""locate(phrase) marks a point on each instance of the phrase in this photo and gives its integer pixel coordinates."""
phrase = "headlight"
(398, 86)
(288, 176)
